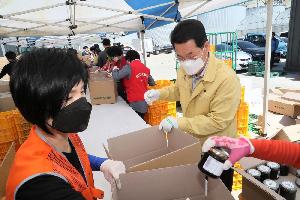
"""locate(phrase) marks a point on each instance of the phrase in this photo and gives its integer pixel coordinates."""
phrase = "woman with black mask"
(52, 163)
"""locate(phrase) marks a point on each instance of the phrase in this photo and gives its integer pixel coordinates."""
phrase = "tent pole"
(267, 63)
(3, 49)
(142, 38)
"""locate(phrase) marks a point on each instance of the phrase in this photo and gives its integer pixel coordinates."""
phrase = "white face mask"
(192, 67)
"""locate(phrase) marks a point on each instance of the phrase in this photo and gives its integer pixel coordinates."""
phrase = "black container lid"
(222, 153)
(273, 165)
(271, 184)
(264, 169)
(289, 186)
(254, 172)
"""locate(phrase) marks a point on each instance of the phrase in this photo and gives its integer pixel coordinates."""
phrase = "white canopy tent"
(72, 17)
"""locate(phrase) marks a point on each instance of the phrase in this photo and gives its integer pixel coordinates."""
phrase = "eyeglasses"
(192, 56)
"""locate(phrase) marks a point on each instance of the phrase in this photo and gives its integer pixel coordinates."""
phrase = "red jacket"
(136, 85)
(110, 64)
(278, 151)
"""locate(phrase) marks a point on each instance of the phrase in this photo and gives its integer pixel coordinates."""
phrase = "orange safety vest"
(36, 157)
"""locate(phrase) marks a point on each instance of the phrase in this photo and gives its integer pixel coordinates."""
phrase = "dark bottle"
(284, 170)
(287, 190)
(212, 162)
(275, 170)
(254, 173)
(272, 185)
(265, 172)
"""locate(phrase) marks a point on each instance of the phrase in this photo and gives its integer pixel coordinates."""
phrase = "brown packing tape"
(5, 167)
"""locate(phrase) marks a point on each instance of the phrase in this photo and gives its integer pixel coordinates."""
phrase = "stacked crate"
(237, 178)
(160, 109)
(242, 130)
(243, 116)
(13, 128)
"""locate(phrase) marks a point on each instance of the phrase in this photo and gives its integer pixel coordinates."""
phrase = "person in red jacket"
(272, 150)
(135, 79)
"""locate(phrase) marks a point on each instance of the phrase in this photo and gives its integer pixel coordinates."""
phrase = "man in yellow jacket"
(209, 91)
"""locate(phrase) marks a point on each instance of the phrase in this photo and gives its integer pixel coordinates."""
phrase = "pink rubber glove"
(239, 148)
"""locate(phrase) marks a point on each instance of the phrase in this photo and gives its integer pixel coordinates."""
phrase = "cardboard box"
(289, 133)
(6, 102)
(4, 86)
(5, 167)
(275, 123)
(285, 90)
(147, 149)
(173, 183)
(255, 190)
(103, 89)
(283, 106)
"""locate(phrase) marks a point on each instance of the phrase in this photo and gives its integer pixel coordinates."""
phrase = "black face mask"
(74, 117)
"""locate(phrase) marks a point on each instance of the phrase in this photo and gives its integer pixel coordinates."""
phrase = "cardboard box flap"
(5, 167)
(100, 76)
(179, 182)
(188, 155)
(285, 90)
(289, 133)
(132, 145)
(250, 162)
(292, 96)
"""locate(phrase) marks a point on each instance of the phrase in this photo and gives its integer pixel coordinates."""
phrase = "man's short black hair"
(96, 46)
(132, 55)
(11, 55)
(85, 47)
(114, 51)
(187, 30)
(106, 42)
(42, 81)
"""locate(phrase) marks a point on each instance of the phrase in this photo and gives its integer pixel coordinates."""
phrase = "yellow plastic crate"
(7, 127)
(237, 178)
(172, 108)
(22, 126)
(243, 94)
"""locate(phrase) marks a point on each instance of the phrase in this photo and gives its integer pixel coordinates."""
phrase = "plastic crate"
(237, 178)
(7, 128)
(4, 146)
(242, 93)
(156, 112)
(22, 126)
(172, 108)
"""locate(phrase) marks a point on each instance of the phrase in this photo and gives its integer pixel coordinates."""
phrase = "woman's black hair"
(42, 80)
(187, 30)
(132, 55)
(114, 51)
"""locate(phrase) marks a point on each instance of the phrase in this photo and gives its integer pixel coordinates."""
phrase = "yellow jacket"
(211, 108)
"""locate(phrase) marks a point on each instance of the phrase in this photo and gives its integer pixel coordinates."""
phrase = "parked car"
(257, 53)
(259, 39)
(242, 58)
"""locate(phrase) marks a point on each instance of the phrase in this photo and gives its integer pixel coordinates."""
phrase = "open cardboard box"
(255, 190)
(289, 133)
(147, 149)
(172, 183)
(5, 167)
(103, 89)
